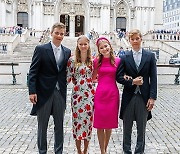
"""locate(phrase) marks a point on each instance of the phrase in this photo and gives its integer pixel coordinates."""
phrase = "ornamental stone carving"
(95, 11)
(121, 9)
(132, 13)
(65, 7)
(79, 9)
(48, 9)
(111, 13)
(145, 8)
(72, 8)
(9, 1)
(22, 1)
(22, 6)
(130, 3)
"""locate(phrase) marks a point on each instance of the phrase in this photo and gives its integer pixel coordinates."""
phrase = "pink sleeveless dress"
(106, 101)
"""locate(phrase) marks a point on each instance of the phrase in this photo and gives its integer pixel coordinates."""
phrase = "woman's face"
(83, 45)
(104, 48)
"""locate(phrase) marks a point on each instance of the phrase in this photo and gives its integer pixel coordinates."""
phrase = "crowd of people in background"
(165, 34)
(11, 30)
(162, 31)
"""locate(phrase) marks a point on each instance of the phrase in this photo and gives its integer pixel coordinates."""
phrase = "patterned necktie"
(56, 54)
(137, 59)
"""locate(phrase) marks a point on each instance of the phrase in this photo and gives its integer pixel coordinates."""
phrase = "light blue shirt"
(137, 55)
(57, 52)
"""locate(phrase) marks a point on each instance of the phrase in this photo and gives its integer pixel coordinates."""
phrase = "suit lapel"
(143, 59)
(131, 61)
(51, 54)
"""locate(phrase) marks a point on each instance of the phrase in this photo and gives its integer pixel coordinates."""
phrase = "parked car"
(174, 60)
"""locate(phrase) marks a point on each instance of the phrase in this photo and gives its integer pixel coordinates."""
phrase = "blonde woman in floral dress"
(80, 73)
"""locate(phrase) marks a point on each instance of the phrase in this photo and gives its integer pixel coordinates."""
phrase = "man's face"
(58, 35)
(135, 41)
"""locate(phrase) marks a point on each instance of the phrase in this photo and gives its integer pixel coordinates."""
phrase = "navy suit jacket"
(147, 69)
(44, 74)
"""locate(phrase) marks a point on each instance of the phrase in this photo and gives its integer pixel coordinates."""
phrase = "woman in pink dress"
(106, 101)
(80, 69)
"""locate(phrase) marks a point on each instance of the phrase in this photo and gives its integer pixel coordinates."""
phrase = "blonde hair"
(100, 56)
(58, 25)
(78, 61)
(134, 32)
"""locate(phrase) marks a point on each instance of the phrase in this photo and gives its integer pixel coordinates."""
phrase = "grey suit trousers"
(55, 106)
(135, 111)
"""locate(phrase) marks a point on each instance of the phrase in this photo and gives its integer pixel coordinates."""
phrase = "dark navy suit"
(44, 74)
(147, 69)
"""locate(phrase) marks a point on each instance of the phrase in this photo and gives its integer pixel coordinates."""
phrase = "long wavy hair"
(88, 60)
(100, 56)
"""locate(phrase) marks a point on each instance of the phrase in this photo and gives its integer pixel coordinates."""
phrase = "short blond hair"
(58, 25)
(133, 32)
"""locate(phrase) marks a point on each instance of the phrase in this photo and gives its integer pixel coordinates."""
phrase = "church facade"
(82, 16)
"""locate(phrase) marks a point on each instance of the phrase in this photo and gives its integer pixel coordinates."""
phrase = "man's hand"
(127, 77)
(138, 81)
(150, 104)
(33, 98)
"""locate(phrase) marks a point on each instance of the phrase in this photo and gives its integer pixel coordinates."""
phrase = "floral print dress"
(82, 99)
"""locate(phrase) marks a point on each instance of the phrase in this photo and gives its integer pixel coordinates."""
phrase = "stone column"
(105, 19)
(3, 13)
(38, 15)
(158, 22)
(72, 25)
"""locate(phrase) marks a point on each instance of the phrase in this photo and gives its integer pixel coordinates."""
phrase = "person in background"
(106, 101)
(47, 87)
(80, 71)
(121, 52)
(139, 93)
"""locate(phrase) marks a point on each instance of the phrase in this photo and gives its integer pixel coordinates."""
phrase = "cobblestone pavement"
(18, 130)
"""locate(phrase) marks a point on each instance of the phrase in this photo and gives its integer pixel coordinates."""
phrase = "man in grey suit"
(139, 93)
(47, 87)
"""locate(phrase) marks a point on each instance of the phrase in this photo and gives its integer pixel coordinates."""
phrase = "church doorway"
(121, 24)
(22, 19)
(79, 25)
(65, 20)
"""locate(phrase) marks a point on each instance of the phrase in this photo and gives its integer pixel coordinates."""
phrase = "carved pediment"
(121, 9)
(48, 9)
(72, 8)
(22, 6)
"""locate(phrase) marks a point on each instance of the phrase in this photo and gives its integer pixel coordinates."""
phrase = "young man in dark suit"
(47, 87)
(139, 93)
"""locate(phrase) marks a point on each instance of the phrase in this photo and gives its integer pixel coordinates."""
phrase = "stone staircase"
(174, 44)
(24, 51)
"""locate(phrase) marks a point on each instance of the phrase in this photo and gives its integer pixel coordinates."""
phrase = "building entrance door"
(121, 24)
(79, 25)
(22, 19)
(65, 20)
